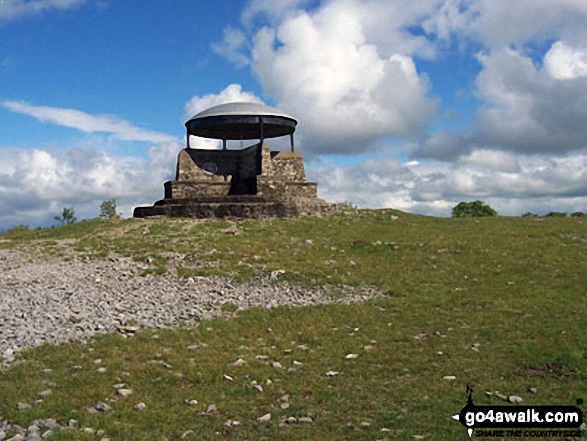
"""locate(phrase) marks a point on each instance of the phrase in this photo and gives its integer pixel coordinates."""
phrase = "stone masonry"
(253, 182)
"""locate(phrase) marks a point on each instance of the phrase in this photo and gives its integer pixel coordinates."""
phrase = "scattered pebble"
(332, 373)
(264, 418)
(239, 362)
(153, 302)
(352, 356)
(102, 407)
(449, 378)
(124, 393)
(515, 399)
(44, 394)
(139, 407)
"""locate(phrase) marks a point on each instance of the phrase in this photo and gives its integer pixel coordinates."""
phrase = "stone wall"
(252, 182)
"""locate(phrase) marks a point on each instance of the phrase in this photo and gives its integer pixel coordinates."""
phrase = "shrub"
(67, 216)
(473, 209)
(108, 210)
(578, 214)
(529, 214)
(556, 214)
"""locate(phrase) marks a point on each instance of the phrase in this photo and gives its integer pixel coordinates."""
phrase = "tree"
(67, 216)
(473, 209)
(108, 210)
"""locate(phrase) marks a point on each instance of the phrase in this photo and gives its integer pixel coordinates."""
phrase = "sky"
(413, 105)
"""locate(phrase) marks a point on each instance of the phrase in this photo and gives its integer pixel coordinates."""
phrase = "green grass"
(514, 286)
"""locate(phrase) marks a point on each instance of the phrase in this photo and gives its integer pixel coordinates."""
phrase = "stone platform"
(254, 182)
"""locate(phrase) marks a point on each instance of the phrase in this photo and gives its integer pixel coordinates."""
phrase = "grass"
(498, 302)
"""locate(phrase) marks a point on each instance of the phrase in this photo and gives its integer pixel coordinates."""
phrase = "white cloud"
(12, 9)
(232, 46)
(525, 108)
(532, 183)
(321, 68)
(566, 63)
(231, 94)
(495, 160)
(500, 23)
(36, 184)
(76, 119)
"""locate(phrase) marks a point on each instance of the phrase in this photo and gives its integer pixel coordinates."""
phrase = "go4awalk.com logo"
(520, 421)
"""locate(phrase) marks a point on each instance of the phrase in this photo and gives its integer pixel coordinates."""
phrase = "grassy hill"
(498, 303)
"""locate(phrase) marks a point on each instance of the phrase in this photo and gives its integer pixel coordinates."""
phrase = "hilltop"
(497, 303)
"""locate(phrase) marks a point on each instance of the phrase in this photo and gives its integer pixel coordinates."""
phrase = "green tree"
(473, 209)
(67, 216)
(108, 210)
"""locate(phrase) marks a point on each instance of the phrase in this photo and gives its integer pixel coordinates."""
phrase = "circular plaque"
(210, 167)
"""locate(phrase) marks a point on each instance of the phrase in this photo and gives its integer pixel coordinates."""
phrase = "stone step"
(203, 210)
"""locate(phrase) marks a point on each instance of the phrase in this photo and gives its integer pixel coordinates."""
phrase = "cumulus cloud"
(526, 108)
(564, 62)
(500, 23)
(12, 9)
(232, 93)
(36, 184)
(320, 67)
(529, 183)
(76, 119)
(233, 46)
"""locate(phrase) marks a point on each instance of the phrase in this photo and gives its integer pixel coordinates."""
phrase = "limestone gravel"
(43, 301)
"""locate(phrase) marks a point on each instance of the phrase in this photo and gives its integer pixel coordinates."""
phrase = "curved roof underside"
(241, 121)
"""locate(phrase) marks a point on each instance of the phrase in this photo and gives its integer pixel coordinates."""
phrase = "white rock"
(264, 418)
(449, 378)
(139, 407)
(352, 356)
(515, 399)
(332, 373)
(124, 393)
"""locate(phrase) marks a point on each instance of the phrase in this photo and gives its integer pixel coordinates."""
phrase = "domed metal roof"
(241, 121)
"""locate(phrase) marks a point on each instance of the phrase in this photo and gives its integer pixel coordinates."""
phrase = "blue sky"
(411, 105)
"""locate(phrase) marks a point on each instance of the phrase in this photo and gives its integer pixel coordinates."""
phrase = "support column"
(291, 138)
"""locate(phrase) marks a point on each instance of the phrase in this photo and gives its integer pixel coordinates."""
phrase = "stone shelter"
(251, 182)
